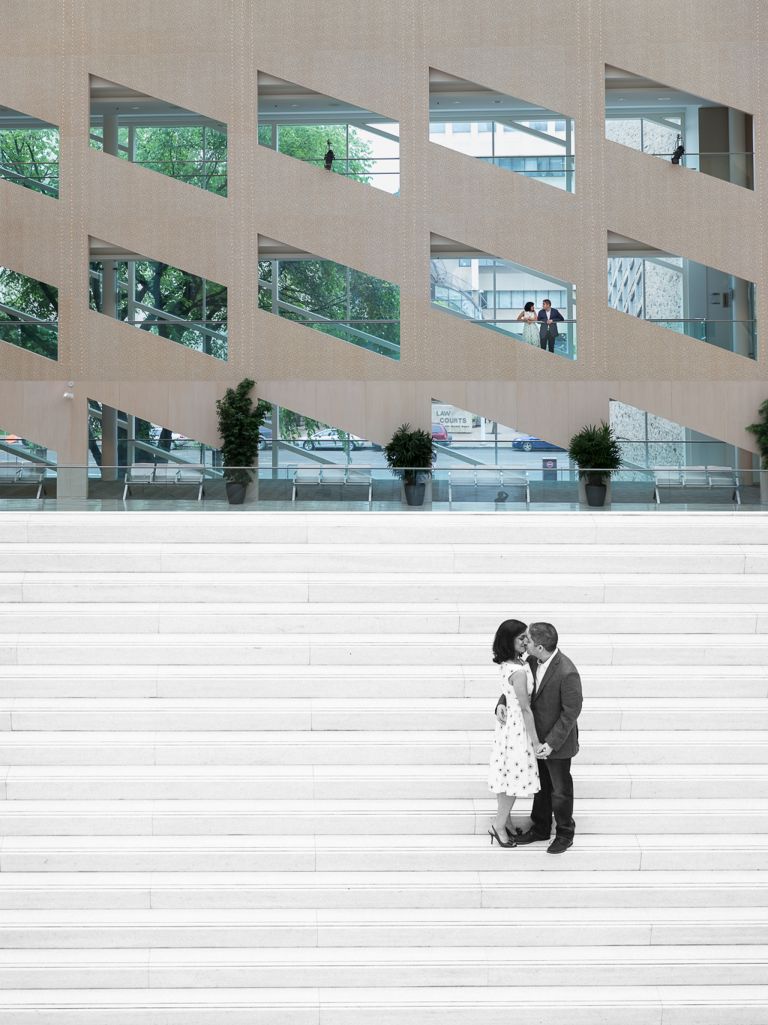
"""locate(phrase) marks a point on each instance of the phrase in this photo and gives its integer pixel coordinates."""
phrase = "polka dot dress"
(513, 769)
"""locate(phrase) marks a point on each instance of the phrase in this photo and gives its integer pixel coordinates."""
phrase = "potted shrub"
(410, 455)
(760, 431)
(239, 426)
(597, 454)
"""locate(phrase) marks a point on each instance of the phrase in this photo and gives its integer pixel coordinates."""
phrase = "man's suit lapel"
(551, 670)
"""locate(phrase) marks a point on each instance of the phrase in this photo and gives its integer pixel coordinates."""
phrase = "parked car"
(265, 437)
(529, 443)
(329, 437)
(440, 434)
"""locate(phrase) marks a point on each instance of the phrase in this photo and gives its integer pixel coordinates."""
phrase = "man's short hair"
(543, 634)
(550, 303)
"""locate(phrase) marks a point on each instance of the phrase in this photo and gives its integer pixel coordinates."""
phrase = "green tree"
(24, 295)
(30, 157)
(196, 155)
(170, 290)
(353, 152)
(337, 293)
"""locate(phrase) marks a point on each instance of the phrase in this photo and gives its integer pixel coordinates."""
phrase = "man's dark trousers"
(547, 337)
(554, 798)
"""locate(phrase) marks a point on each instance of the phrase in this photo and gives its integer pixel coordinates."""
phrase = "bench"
(169, 475)
(28, 476)
(696, 477)
(339, 475)
(481, 477)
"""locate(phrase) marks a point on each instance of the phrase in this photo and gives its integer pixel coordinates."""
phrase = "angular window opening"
(648, 440)
(472, 438)
(17, 450)
(679, 127)
(682, 295)
(158, 298)
(118, 439)
(29, 313)
(29, 152)
(502, 130)
(332, 134)
(329, 297)
(494, 293)
(158, 135)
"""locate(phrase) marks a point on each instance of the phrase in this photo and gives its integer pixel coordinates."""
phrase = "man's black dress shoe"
(531, 837)
(558, 845)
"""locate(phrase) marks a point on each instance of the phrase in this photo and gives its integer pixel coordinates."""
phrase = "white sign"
(457, 421)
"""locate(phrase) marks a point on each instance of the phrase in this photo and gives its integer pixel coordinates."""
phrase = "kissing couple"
(536, 734)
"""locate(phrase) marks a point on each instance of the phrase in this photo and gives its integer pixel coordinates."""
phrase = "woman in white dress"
(530, 326)
(513, 770)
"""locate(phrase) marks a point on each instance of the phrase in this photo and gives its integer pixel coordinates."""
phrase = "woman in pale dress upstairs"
(530, 327)
(513, 770)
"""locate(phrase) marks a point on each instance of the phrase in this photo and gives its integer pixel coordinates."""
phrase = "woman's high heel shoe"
(495, 836)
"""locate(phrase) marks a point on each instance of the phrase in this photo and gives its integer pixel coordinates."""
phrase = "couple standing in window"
(541, 328)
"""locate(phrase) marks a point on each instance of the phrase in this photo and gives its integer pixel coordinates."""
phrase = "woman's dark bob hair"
(504, 641)
(528, 307)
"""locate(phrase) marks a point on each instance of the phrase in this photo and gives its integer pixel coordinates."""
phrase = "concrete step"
(348, 681)
(232, 620)
(496, 556)
(502, 888)
(321, 714)
(303, 967)
(377, 927)
(364, 747)
(629, 1005)
(377, 852)
(723, 527)
(340, 782)
(70, 818)
(391, 587)
(354, 648)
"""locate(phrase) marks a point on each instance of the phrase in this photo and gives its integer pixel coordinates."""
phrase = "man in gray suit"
(556, 704)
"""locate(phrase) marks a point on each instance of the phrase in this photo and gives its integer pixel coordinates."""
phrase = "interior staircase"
(244, 760)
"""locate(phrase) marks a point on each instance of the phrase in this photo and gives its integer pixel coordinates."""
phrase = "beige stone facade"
(205, 55)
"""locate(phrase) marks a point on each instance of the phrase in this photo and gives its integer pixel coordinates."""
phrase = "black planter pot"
(595, 494)
(414, 493)
(235, 492)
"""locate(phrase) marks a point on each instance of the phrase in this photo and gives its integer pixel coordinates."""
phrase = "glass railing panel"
(554, 170)
(203, 336)
(734, 166)
(187, 309)
(40, 338)
(333, 299)
(383, 173)
(39, 176)
(29, 152)
(210, 175)
(565, 340)
(539, 146)
(739, 336)
(158, 484)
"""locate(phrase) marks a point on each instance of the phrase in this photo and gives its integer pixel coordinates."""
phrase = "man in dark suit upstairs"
(556, 704)
(548, 318)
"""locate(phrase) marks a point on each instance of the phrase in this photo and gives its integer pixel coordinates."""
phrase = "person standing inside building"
(548, 321)
(556, 706)
(329, 157)
(513, 769)
(530, 330)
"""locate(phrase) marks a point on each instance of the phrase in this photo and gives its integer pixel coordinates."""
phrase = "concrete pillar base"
(71, 483)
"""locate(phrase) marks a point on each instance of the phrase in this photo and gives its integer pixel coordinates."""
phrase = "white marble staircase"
(243, 770)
